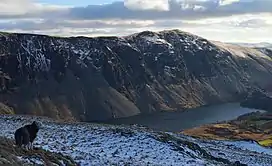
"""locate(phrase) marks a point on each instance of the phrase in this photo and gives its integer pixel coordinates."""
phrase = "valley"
(102, 78)
(186, 119)
(141, 99)
(254, 126)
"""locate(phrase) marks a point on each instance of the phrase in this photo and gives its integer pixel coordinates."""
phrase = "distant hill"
(90, 79)
(256, 45)
(255, 126)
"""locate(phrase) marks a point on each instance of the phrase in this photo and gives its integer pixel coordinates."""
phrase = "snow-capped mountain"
(109, 77)
(95, 144)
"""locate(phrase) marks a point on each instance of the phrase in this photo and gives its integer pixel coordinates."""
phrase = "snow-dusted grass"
(249, 153)
(33, 160)
(94, 144)
(105, 145)
(254, 147)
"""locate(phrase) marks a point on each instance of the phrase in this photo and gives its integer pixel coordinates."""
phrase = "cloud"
(136, 9)
(160, 5)
(253, 23)
(22, 9)
(39, 24)
(172, 9)
(227, 20)
(227, 2)
(15, 7)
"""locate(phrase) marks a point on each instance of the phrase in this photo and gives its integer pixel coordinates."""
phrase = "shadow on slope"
(11, 155)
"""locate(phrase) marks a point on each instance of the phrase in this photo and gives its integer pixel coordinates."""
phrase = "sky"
(247, 21)
(75, 2)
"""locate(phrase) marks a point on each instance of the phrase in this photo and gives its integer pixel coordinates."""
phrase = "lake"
(178, 121)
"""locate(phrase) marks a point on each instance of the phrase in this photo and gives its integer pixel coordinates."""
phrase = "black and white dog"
(25, 135)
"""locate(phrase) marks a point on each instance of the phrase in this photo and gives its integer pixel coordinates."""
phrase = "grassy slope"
(253, 126)
(4, 109)
(9, 155)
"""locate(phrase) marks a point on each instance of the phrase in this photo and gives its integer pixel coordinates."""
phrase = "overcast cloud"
(225, 20)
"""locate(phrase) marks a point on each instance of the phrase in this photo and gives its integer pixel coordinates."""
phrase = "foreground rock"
(10, 155)
(101, 78)
(94, 144)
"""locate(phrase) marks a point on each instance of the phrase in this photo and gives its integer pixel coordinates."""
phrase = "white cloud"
(225, 20)
(228, 2)
(29, 9)
(15, 7)
(147, 4)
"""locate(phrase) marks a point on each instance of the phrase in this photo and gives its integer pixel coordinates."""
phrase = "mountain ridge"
(99, 78)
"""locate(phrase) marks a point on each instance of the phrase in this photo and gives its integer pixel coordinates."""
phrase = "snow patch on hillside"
(31, 160)
(157, 40)
(94, 144)
(251, 146)
(249, 153)
(106, 145)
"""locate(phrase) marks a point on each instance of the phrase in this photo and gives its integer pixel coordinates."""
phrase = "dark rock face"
(258, 100)
(109, 77)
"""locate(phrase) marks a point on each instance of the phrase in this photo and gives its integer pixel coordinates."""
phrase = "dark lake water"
(178, 121)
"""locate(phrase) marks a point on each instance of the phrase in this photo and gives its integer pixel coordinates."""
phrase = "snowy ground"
(93, 144)
(249, 153)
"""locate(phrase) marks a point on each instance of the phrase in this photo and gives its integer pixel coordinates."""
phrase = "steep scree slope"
(89, 79)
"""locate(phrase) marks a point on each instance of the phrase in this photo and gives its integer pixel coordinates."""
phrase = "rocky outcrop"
(90, 79)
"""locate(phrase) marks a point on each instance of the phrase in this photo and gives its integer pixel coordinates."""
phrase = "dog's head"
(36, 125)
